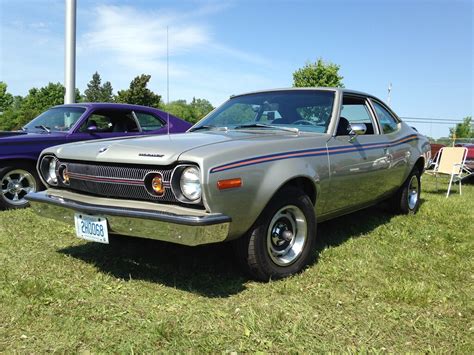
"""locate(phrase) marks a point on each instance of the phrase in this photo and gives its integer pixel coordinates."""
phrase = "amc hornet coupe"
(19, 150)
(261, 170)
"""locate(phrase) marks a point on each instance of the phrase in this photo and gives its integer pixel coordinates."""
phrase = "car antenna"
(167, 82)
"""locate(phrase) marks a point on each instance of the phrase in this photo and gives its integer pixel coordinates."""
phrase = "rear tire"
(407, 199)
(15, 183)
(283, 239)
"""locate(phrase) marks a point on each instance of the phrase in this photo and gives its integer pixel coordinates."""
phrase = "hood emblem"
(150, 155)
(103, 149)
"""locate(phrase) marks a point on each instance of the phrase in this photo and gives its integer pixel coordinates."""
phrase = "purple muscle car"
(70, 123)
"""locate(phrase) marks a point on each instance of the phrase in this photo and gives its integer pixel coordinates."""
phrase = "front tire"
(15, 183)
(283, 239)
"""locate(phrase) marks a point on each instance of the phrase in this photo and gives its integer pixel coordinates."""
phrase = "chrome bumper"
(182, 229)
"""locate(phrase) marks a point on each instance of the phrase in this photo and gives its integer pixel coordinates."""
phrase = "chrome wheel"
(413, 192)
(15, 185)
(286, 235)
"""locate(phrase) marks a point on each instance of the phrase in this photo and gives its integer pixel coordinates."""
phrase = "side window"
(387, 121)
(111, 121)
(354, 110)
(148, 122)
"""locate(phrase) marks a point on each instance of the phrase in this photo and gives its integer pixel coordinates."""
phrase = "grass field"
(380, 283)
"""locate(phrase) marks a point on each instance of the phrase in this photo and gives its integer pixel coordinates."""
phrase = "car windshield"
(57, 119)
(305, 110)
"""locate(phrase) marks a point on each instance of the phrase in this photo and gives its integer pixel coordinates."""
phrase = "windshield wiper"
(263, 125)
(44, 128)
(208, 127)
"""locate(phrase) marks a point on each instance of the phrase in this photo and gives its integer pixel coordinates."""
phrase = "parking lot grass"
(380, 283)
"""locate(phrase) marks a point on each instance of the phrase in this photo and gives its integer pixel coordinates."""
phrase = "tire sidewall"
(289, 196)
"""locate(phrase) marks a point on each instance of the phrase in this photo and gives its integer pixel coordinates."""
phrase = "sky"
(220, 48)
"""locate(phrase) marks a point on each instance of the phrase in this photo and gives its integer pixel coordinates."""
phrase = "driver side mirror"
(356, 129)
(92, 129)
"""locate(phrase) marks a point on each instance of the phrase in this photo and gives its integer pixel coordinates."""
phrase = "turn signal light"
(229, 183)
(157, 185)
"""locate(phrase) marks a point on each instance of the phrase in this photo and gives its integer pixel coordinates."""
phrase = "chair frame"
(458, 170)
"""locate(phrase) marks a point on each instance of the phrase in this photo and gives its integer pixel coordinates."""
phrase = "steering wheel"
(303, 123)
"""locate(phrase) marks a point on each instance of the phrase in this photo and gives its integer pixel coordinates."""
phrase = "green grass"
(380, 283)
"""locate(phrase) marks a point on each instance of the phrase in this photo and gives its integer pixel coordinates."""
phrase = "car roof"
(334, 89)
(109, 105)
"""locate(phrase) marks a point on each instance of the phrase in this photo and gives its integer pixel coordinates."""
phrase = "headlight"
(48, 169)
(190, 183)
(52, 172)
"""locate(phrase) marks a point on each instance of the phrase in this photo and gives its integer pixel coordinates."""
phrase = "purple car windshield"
(57, 119)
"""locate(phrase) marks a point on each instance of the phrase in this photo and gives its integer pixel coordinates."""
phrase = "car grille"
(117, 181)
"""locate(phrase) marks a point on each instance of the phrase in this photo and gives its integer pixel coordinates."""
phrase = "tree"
(463, 130)
(6, 99)
(319, 73)
(200, 108)
(25, 109)
(139, 94)
(96, 92)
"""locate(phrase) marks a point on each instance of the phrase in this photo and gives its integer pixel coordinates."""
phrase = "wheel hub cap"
(413, 192)
(286, 236)
(15, 185)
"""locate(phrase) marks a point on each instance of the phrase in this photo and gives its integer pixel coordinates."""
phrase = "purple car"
(70, 123)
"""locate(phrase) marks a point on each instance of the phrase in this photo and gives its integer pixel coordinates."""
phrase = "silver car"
(261, 170)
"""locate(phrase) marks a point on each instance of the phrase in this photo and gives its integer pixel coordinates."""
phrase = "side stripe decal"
(311, 152)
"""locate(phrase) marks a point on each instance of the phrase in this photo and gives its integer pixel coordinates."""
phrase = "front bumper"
(189, 229)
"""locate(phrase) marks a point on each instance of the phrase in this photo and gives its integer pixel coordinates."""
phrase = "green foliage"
(23, 110)
(6, 99)
(96, 92)
(381, 284)
(463, 130)
(191, 112)
(316, 74)
(139, 94)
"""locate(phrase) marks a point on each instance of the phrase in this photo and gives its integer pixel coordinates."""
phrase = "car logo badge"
(150, 155)
(103, 149)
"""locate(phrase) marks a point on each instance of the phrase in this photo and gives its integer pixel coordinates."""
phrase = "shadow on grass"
(208, 270)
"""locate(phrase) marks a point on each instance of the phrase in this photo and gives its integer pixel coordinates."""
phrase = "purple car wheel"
(15, 184)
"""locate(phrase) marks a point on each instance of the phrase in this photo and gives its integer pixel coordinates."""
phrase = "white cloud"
(137, 38)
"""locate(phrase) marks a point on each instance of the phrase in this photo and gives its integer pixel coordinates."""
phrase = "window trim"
(370, 110)
(397, 119)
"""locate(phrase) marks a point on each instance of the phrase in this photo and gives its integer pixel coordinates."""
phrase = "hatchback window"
(387, 121)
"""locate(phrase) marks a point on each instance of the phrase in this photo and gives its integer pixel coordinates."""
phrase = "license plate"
(93, 228)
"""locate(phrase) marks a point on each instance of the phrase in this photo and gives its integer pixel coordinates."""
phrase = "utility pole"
(389, 97)
(70, 52)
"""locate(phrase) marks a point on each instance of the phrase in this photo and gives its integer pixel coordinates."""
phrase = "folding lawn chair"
(450, 161)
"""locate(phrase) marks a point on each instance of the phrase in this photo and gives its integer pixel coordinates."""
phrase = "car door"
(357, 163)
(399, 151)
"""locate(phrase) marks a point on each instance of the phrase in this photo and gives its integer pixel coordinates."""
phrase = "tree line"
(16, 111)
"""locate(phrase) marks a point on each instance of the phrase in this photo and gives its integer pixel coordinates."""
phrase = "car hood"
(160, 150)
(21, 136)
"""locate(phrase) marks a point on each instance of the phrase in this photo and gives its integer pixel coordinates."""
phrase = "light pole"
(70, 52)
(389, 97)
